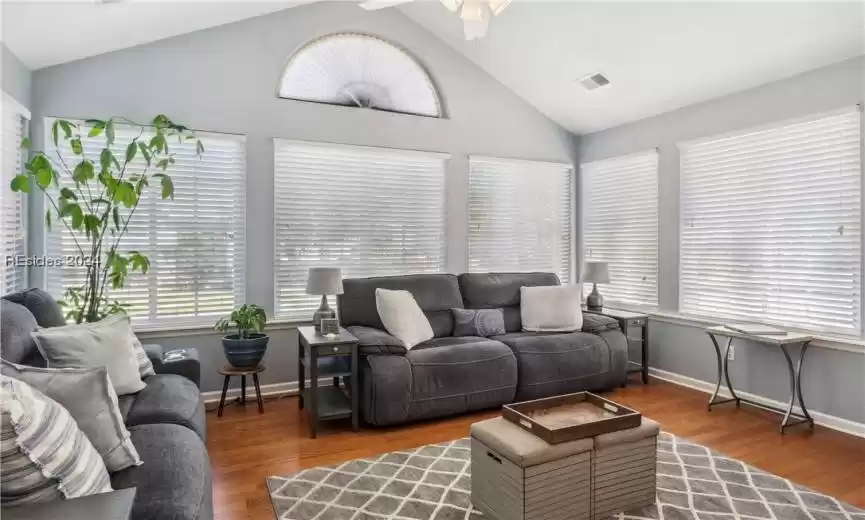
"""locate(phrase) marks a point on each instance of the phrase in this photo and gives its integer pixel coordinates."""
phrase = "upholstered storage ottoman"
(624, 466)
(517, 476)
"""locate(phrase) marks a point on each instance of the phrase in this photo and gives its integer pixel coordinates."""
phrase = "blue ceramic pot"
(245, 353)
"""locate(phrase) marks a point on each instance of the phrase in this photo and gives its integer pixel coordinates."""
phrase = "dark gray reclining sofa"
(165, 419)
(449, 375)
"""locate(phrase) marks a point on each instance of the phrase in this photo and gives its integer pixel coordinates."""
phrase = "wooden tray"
(570, 417)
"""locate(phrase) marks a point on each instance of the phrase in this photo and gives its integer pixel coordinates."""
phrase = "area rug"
(433, 483)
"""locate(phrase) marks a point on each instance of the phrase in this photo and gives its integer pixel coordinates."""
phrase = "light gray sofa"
(450, 375)
(166, 419)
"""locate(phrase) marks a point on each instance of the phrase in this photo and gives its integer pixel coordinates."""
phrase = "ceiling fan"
(475, 14)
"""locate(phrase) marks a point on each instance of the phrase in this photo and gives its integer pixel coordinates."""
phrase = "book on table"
(755, 329)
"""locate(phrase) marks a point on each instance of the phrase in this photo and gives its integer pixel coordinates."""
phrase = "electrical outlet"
(731, 354)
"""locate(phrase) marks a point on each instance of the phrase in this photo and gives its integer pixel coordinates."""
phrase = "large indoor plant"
(95, 195)
(247, 347)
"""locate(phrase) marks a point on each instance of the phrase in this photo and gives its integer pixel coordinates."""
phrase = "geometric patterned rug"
(433, 483)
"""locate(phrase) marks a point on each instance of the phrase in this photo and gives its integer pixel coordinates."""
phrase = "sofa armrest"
(183, 362)
(597, 323)
(376, 342)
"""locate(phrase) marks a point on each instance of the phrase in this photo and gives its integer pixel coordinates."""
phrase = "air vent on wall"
(593, 81)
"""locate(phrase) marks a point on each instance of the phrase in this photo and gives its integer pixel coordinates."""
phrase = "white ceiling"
(658, 56)
(44, 33)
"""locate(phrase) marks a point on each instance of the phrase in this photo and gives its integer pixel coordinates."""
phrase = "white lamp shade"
(324, 281)
(596, 272)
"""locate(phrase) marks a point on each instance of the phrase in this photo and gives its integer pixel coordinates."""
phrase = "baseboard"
(271, 390)
(829, 421)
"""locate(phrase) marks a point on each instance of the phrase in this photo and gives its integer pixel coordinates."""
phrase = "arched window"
(359, 70)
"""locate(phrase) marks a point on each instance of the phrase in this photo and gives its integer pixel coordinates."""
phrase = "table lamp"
(596, 272)
(323, 281)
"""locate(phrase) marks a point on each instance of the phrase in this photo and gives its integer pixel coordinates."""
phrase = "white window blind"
(520, 216)
(12, 208)
(370, 211)
(620, 225)
(771, 225)
(195, 242)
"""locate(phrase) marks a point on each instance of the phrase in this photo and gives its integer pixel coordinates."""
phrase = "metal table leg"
(795, 390)
(722, 373)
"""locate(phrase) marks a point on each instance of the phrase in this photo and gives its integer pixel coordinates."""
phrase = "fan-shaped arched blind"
(360, 71)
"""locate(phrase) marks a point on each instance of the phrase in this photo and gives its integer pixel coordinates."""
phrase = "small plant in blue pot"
(246, 348)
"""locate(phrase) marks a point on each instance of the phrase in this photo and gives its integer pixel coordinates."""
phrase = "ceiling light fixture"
(475, 14)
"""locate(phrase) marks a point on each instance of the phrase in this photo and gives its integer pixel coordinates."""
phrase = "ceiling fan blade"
(497, 6)
(374, 5)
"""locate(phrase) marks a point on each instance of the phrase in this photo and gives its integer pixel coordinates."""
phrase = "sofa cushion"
(174, 482)
(501, 290)
(44, 307)
(16, 324)
(558, 363)
(436, 294)
(167, 399)
(459, 374)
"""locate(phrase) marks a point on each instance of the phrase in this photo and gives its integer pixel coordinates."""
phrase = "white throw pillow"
(108, 343)
(402, 317)
(553, 308)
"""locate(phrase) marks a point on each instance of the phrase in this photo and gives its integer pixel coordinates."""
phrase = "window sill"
(178, 331)
(842, 343)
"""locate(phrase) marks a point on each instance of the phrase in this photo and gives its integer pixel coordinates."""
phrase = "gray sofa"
(450, 375)
(166, 419)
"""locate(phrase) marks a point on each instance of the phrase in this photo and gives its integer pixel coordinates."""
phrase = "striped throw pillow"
(44, 455)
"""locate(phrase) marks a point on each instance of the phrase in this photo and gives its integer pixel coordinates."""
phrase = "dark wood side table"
(627, 320)
(116, 505)
(321, 356)
(229, 371)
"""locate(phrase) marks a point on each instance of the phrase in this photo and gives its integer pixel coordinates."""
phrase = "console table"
(323, 356)
(780, 341)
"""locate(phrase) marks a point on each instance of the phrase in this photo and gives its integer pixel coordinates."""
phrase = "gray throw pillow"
(478, 322)
(89, 397)
(109, 343)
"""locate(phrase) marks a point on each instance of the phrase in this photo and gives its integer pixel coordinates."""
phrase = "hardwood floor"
(246, 447)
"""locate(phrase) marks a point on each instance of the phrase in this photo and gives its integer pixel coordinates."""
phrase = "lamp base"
(323, 312)
(595, 301)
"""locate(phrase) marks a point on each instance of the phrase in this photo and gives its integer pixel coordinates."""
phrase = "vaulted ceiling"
(658, 56)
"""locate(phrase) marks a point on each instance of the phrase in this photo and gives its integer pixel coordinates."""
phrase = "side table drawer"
(334, 350)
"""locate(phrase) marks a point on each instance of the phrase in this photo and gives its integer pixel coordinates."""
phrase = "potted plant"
(95, 200)
(246, 348)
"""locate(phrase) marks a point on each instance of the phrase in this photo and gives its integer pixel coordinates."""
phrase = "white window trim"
(829, 340)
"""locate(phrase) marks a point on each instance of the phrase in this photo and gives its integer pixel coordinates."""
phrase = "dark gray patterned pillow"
(478, 322)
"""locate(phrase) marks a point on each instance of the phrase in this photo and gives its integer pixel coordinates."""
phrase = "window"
(359, 70)
(370, 211)
(520, 216)
(12, 208)
(195, 242)
(771, 225)
(620, 225)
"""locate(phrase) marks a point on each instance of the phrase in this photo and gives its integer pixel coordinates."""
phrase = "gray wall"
(16, 77)
(224, 79)
(834, 381)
